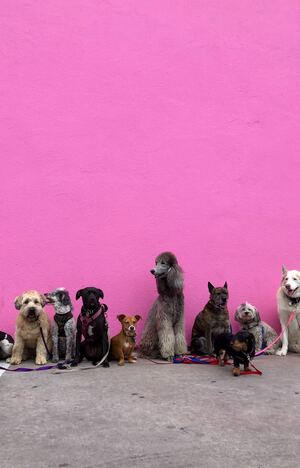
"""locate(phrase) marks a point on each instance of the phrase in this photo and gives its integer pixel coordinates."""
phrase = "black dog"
(92, 325)
(240, 347)
(6, 345)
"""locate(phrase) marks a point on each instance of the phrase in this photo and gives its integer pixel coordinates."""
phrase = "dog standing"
(288, 300)
(63, 326)
(6, 345)
(211, 322)
(248, 317)
(163, 335)
(240, 347)
(92, 326)
(122, 345)
(32, 322)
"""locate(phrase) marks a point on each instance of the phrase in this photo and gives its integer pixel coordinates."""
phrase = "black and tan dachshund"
(240, 347)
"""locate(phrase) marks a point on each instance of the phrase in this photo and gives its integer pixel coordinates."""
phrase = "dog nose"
(246, 312)
(152, 272)
(288, 287)
(131, 327)
(31, 310)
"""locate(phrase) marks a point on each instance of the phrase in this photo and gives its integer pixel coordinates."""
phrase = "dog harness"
(86, 320)
(61, 320)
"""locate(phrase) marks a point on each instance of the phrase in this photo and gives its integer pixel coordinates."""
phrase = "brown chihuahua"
(123, 344)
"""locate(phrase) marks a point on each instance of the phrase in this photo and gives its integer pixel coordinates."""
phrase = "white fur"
(291, 336)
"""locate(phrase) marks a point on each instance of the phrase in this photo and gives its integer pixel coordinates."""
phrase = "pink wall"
(131, 127)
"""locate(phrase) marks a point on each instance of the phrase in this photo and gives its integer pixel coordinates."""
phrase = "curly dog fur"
(163, 335)
(31, 320)
(248, 317)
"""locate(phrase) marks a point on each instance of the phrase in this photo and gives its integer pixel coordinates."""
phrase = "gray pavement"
(149, 415)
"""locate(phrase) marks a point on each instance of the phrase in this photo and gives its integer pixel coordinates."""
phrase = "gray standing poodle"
(163, 335)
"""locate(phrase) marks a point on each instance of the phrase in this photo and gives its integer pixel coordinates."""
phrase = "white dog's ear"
(284, 270)
(18, 302)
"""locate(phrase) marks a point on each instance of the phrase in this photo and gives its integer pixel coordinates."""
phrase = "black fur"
(94, 347)
(224, 341)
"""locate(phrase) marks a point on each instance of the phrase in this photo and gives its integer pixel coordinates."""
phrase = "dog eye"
(36, 301)
(26, 301)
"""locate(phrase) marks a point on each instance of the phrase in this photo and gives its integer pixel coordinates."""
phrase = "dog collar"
(293, 300)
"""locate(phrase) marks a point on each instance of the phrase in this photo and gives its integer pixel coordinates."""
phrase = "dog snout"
(246, 312)
(288, 287)
(131, 328)
(152, 271)
(31, 311)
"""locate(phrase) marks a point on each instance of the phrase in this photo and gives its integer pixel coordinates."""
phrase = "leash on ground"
(60, 367)
(64, 366)
(192, 359)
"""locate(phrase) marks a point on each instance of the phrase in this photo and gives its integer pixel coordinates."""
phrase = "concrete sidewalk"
(148, 415)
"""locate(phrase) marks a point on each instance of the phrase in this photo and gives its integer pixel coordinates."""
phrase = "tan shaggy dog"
(31, 319)
(123, 344)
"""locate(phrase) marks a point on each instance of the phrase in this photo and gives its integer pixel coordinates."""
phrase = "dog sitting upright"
(240, 347)
(63, 326)
(92, 325)
(211, 322)
(123, 344)
(32, 329)
(248, 316)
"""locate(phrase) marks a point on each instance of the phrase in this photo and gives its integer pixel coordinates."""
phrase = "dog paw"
(106, 364)
(40, 361)
(121, 363)
(74, 364)
(14, 361)
(236, 371)
(281, 352)
(54, 359)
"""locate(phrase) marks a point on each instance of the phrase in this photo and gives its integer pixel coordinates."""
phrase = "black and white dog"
(63, 326)
(6, 345)
(92, 326)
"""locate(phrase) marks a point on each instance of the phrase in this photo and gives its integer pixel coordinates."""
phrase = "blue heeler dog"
(64, 325)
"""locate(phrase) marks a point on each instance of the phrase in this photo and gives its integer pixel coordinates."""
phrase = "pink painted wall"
(131, 127)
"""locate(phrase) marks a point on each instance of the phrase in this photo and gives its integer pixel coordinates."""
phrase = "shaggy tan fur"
(28, 339)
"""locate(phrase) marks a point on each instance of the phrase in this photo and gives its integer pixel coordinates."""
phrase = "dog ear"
(121, 317)
(175, 277)
(236, 315)
(137, 317)
(78, 294)
(210, 287)
(284, 270)
(104, 308)
(257, 316)
(18, 302)
(100, 293)
(43, 300)
(225, 285)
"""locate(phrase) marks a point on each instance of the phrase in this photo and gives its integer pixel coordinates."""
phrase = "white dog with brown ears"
(288, 300)
(31, 320)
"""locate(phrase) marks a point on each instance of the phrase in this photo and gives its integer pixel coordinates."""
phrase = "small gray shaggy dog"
(63, 326)
(163, 335)
(248, 316)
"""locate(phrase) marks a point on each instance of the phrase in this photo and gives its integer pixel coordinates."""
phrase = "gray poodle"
(163, 335)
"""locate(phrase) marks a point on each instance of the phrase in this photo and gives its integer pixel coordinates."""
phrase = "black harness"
(61, 320)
